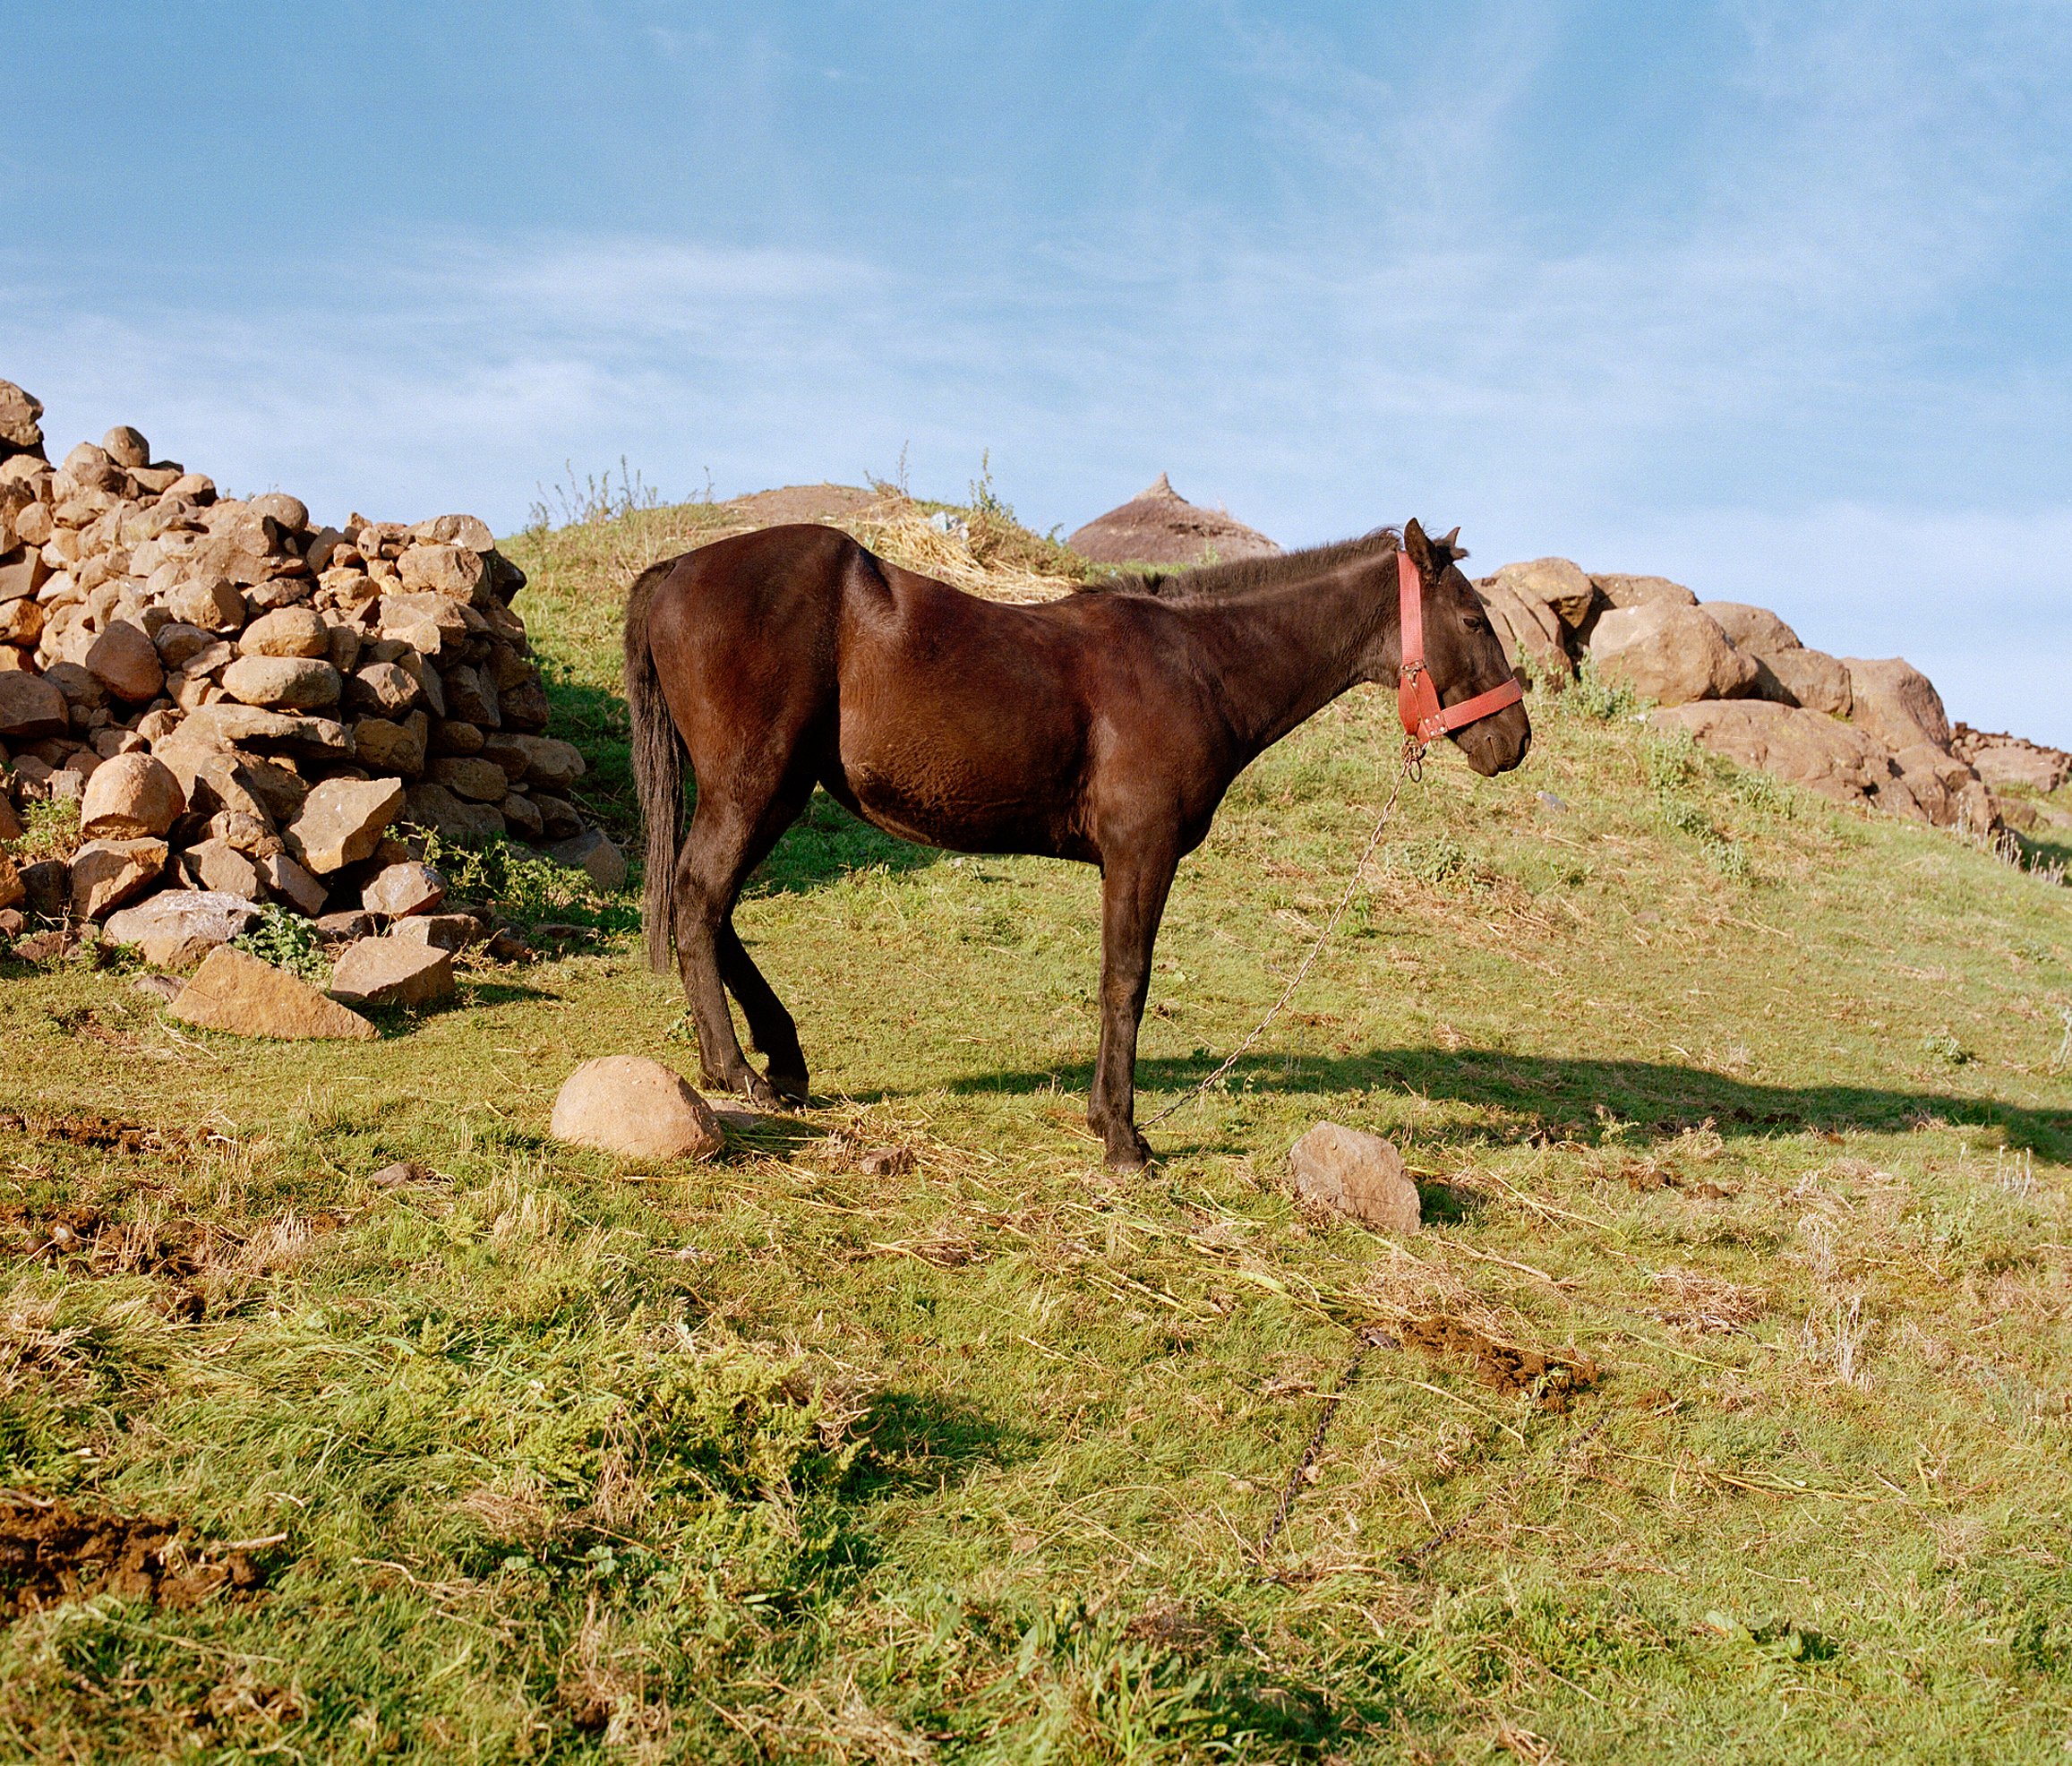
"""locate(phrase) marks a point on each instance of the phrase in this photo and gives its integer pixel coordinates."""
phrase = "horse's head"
(1463, 654)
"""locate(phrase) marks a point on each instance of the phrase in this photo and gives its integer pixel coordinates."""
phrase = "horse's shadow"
(1585, 1098)
(827, 842)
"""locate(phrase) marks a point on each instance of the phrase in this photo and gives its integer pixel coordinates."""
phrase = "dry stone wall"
(247, 702)
(1736, 677)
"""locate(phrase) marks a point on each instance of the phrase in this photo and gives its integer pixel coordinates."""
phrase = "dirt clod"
(51, 1552)
(85, 1236)
(107, 1133)
(1554, 1381)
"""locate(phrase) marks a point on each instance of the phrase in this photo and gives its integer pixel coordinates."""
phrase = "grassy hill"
(1721, 1411)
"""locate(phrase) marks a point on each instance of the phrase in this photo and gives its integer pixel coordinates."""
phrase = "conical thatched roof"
(1159, 526)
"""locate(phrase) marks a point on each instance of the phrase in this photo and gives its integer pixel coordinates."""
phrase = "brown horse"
(1105, 726)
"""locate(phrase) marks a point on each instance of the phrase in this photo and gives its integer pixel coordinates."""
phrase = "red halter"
(1424, 719)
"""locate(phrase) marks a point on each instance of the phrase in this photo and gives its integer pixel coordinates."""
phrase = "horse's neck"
(1281, 654)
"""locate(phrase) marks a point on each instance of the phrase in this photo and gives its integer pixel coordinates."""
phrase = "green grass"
(1749, 1101)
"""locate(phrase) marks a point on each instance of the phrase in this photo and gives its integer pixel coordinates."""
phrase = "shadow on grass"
(596, 721)
(1561, 1098)
(918, 1439)
(827, 844)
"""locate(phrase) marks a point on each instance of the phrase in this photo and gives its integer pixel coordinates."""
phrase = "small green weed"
(49, 830)
(1943, 1046)
(529, 889)
(1431, 859)
(288, 941)
(1591, 696)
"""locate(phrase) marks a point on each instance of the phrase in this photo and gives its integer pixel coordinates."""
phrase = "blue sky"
(1770, 298)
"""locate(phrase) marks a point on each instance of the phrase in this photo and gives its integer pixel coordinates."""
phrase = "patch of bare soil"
(800, 503)
(51, 1553)
(175, 1248)
(88, 1129)
(1552, 1381)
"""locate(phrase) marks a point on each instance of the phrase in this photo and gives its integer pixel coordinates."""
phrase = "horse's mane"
(1274, 570)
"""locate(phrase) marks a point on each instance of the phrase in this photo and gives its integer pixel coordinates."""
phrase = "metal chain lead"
(1300, 1475)
(1412, 767)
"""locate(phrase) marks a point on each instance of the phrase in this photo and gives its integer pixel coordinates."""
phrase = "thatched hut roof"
(1160, 526)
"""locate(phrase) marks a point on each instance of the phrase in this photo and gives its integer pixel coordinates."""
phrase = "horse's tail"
(658, 757)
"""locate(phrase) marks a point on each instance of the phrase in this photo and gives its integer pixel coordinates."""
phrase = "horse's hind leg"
(771, 1027)
(727, 840)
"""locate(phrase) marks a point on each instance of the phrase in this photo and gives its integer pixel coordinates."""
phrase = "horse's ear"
(1450, 547)
(1419, 547)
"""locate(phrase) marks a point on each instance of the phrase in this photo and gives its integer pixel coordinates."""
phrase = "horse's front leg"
(1132, 898)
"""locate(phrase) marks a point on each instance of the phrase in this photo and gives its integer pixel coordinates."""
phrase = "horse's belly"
(938, 802)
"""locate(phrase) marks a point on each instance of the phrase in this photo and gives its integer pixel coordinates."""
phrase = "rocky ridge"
(248, 703)
(1868, 732)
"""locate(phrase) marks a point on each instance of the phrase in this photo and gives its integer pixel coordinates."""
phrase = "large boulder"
(1755, 630)
(126, 447)
(286, 631)
(2009, 761)
(225, 725)
(287, 881)
(1556, 584)
(342, 822)
(125, 661)
(454, 570)
(179, 927)
(1813, 678)
(131, 796)
(282, 683)
(30, 706)
(238, 993)
(210, 602)
(384, 746)
(23, 570)
(1529, 629)
(636, 1108)
(218, 868)
(392, 972)
(1620, 589)
(1354, 1173)
(106, 873)
(19, 429)
(1896, 703)
(1671, 654)
(433, 806)
(1837, 760)
(469, 777)
(1947, 790)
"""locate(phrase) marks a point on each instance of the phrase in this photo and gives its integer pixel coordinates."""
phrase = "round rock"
(126, 447)
(130, 797)
(286, 631)
(125, 661)
(282, 683)
(636, 1108)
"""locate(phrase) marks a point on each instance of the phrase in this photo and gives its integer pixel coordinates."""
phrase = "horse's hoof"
(759, 1092)
(790, 1086)
(1127, 1162)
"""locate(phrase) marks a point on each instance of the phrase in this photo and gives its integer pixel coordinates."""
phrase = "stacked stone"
(246, 702)
(1736, 677)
